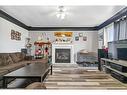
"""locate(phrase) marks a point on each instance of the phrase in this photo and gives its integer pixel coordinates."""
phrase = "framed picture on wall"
(19, 38)
(77, 38)
(15, 35)
(12, 34)
(80, 34)
(84, 38)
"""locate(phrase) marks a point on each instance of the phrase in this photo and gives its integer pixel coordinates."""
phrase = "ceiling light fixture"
(61, 12)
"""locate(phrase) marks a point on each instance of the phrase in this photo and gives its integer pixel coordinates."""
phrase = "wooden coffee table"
(34, 70)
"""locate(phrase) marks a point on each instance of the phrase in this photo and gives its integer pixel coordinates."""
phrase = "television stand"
(117, 68)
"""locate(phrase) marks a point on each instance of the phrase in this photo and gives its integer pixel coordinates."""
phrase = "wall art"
(15, 35)
(61, 34)
(77, 38)
(84, 38)
(80, 34)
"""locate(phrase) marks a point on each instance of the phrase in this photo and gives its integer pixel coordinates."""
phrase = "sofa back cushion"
(10, 58)
(5, 59)
(1, 60)
(19, 56)
(23, 55)
(15, 57)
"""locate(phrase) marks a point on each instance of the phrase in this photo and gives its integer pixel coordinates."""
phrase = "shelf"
(118, 62)
(117, 68)
(42, 43)
(124, 74)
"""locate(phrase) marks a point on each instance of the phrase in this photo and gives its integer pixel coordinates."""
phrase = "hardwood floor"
(70, 76)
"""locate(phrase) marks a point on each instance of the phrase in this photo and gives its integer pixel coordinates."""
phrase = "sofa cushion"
(3, 72)
(11, 67)
(19, 56)
(23, 55)
(15, 57)
(8, 60)
(5, 59)
(24, 62)
(1, 60)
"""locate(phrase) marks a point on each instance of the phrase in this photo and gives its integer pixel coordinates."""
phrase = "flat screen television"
(122, 53)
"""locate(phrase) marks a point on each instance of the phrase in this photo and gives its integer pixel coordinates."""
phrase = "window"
(110, 33)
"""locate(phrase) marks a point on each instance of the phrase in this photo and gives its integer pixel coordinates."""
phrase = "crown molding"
(118, 15)
(12, 19)
(62, 29)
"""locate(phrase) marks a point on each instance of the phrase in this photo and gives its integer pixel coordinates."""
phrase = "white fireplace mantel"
(63, 46)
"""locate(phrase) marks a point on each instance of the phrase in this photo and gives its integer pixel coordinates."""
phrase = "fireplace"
(62, 53)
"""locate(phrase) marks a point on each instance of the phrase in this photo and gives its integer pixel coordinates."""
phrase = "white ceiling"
(77, 16)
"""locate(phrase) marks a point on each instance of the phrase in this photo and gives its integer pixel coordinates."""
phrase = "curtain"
(116, 29)
(120, 28)
(122, 31)
(126, 29)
